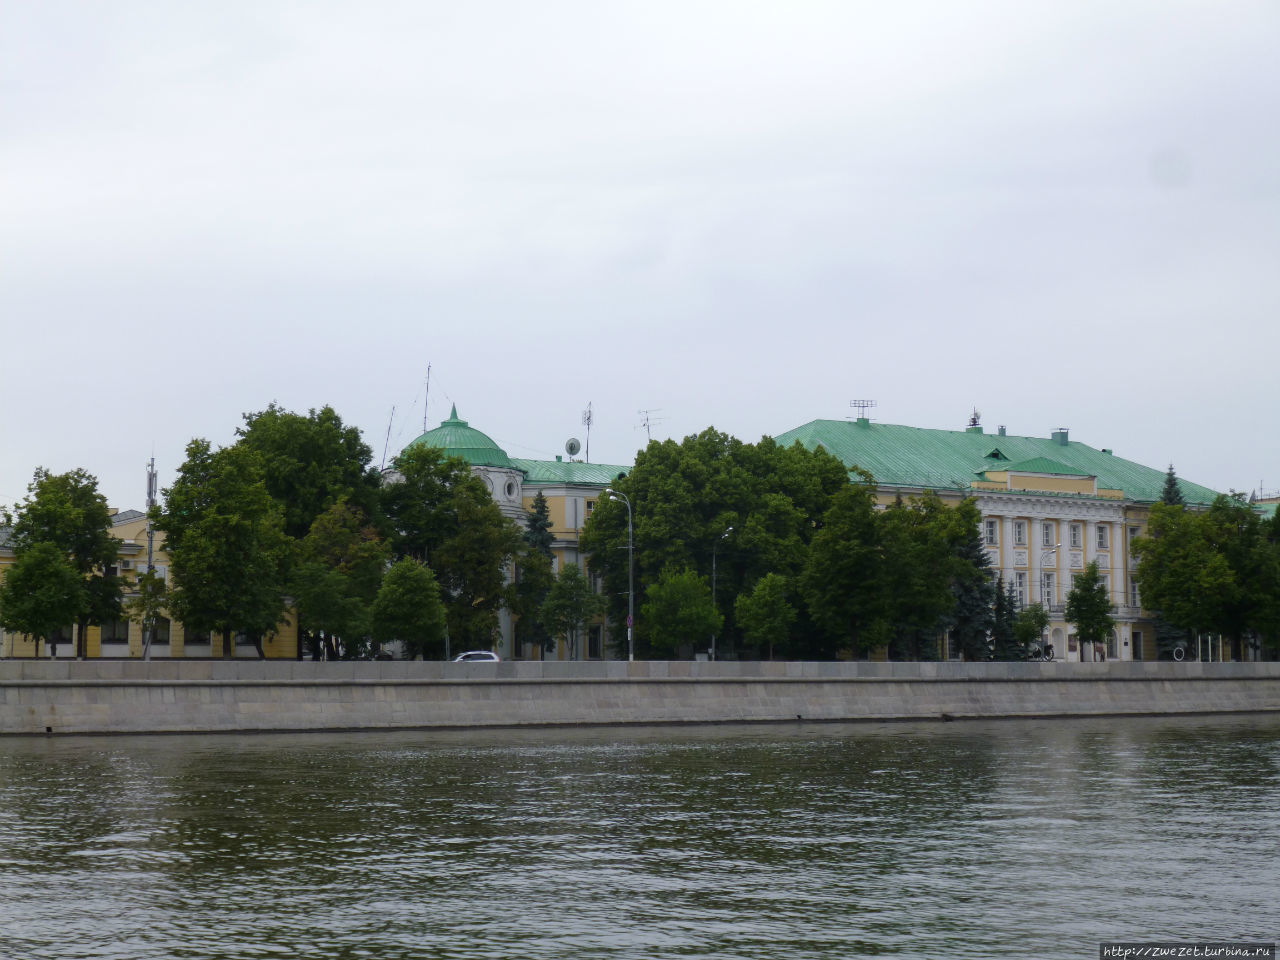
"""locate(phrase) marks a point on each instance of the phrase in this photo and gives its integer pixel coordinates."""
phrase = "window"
(991, 532)
(595, 642)
(1020, 533)
(1020, 588)
(591, 507)
(1046, 535)
(1104, 537)
(1134, 599)
(1047, 594)
(1134, 533)
(161, 630)
(115, 631)
(1137, 645)
(1077, 535)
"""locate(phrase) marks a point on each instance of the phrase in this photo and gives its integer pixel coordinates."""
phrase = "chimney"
(1059, 436)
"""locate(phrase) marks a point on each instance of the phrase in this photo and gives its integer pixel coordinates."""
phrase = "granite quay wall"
(40, 696)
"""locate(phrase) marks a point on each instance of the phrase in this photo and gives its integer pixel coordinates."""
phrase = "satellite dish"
(572, 447)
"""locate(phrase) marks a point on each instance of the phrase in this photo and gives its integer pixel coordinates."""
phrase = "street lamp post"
(715, 546)
(1043, 585)
(631, 573)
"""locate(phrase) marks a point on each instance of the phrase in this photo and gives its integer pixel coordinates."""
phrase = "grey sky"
(740, 215)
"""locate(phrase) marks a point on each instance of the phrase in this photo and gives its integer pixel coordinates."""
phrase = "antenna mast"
(388, 443)
(586, 421)
(425, 397)
(862, 407)
(649, 421)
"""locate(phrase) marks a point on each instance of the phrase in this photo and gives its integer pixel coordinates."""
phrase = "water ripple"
(957, 840)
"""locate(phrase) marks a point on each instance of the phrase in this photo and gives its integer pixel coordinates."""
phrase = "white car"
(474, 655)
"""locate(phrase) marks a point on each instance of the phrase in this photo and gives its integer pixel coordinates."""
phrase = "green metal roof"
(1040, 465)
(458, 439)
(570, 471)
(949, 459)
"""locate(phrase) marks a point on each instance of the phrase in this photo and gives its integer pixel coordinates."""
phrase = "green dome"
(457, 439)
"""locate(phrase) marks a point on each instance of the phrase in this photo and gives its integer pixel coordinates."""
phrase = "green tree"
(839, 581)
(1182, 574)
(570, 605)
(679, 611)
(1089, 608)
(971, 623)
(534, 577)
(310, 463)
(408, 608)
(444, 516)
(1004, 613)
(916, 571)
(1171, 495)
(148, 605)
(41, 592)
(340, 567)
(226, 543)
(766, 615)
(1028, 629)
(686, 495)
(66, 510)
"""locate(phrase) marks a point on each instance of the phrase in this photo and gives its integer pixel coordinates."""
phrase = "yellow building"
(1049, 505)
(124, 638)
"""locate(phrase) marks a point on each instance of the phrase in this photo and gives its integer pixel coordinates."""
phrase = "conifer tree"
(1171, 494)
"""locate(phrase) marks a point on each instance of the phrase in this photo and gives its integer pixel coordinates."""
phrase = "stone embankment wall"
(39, 697)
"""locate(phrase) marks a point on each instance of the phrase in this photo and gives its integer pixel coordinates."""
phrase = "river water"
(984, 839)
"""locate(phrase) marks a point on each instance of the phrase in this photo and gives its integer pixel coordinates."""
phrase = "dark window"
(115, 631)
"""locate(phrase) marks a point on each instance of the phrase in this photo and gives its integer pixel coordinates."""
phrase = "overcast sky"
(735, 214)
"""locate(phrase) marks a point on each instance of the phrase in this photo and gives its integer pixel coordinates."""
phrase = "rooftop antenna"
(388, 443)
(586, 422)
(862, 407)
(976, 419)
(649, 421)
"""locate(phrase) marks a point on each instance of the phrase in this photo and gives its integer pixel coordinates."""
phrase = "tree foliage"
(570, 605)
(408, 608)
(1212, 571)
(442, 515)
(685, 496)
(227, 545)
(679, 612)
(533, 577)
(1089, 608)
(41, 592)
(67, 511)
(1028, 630)
(766, 615)
(310, 463)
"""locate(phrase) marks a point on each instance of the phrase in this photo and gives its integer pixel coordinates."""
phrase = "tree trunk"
(228, 645)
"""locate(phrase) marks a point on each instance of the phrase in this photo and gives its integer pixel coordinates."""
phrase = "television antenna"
(586, 422)
(649, 420)
(862, 406)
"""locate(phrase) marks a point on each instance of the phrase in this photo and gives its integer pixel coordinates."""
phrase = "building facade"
(1050, 506)
(124, 638)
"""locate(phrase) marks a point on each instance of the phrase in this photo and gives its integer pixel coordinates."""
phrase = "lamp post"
(631, 573)
(715, 546)
(1043, 584)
